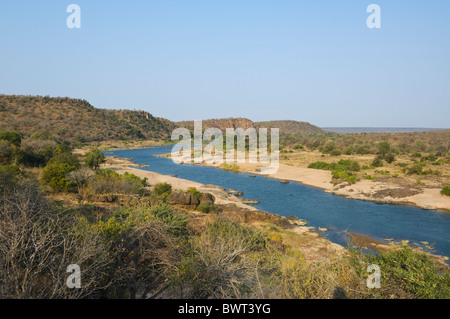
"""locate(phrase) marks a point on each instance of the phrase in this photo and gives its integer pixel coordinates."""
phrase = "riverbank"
(311, 242)
(383, 192)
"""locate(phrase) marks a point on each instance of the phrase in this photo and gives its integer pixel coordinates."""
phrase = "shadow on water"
(320, 209)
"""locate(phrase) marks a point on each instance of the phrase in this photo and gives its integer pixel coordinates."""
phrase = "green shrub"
(351, 179)
(320, 165)
(195, 192)
(136, 179)
(175, 222)
(383, 148)
(230, 167)
(226, 230)
(416, 169)
(208, 207)
(413, 270)
(389, 158)
(431, 157)
(54, 175)
(349, 150)
(377, 162)
(11, 170)
(94, 158)
(446, 190)
(162, 188)
(364, 149)
(108, 181)
(335, 152)
(65, 158)
(12, 137)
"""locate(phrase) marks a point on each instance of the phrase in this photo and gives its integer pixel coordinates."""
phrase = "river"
(320, 209)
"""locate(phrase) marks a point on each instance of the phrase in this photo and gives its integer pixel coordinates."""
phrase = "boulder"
(184, 199)
(235, 192)
(207, 198)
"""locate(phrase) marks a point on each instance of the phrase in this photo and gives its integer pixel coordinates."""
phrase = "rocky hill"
(286, 127)
(221, 124)
(76, 120)
(291, 127)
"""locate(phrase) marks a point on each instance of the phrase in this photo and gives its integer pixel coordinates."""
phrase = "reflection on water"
(320, 209)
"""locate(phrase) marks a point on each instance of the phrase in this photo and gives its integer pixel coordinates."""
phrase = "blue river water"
(320, 209)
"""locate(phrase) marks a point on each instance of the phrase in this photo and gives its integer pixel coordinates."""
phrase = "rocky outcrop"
(235, 192)
(207, 198)
(221, 124)
(184, 199)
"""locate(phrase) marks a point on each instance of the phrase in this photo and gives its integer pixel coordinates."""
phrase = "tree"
(94, 158)
(377, 162)
(11, 136)
(446, 190)
(162, 188)
(383, 148)
(80, 177)
(55, 175)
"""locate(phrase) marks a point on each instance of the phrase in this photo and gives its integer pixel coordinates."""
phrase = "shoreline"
(223, 197)
(366, 190)
(428, 199)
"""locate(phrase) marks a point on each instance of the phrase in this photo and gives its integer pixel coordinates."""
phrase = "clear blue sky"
(312, 61)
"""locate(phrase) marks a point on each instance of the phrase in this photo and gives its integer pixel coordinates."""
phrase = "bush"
(413, 270)
(9, 175)
(351, 179)
(65, 158)
(320, 165)
(107, 181)
(219, 264)
(195, 192)
(208, 207)
(162, 188)
(415, 169)
(94, 158)
(446, 190)
(55, 175)
(389, 158)
(12, 137)
(12, 170)
(363, 150)
(383, 148)
(377, 162)
(335, 152)
(38, 241)
(175, 222)
(230, 167)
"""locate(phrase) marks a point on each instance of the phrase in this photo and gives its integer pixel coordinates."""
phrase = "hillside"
(286, 127)
(76, 120)
(291, 127)
(221, 124)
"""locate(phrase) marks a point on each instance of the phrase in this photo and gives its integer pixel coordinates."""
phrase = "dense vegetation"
(386, 145)
(76, 120)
